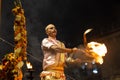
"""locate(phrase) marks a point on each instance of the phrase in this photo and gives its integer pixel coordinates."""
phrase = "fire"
(97, 50)
(29, 66)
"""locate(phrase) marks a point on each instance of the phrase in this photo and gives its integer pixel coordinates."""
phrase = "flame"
(87, 31)
(29, 66)
(97, 50)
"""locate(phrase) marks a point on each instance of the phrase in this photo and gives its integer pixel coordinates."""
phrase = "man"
(54, 55)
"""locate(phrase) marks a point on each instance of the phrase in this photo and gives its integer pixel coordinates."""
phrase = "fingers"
(75, 50)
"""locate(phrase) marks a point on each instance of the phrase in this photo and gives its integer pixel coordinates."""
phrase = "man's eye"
(51, 28)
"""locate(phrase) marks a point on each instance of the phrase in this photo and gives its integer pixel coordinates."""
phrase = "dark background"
(71, 17)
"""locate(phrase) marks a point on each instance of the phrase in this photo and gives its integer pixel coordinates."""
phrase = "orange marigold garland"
(20, 33)
(10, 69)
(20, 39)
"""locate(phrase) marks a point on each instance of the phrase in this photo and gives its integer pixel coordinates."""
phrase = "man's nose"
(54, 29)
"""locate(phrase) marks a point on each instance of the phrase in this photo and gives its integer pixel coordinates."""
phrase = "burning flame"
(97, 50)
(87, 31)
(29, 66)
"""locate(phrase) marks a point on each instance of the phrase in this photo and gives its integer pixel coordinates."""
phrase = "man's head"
(51, 30)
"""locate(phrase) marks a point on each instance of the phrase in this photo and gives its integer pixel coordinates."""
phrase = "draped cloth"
(53, 62)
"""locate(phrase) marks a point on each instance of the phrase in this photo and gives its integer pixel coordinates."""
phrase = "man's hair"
(48, 26)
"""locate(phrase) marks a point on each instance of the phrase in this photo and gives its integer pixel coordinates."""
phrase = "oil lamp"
(30, 70)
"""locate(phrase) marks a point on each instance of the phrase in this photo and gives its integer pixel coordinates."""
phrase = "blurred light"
(29, 66)
(93, 62)
(95, 71)
(86, 63)
(83, 66)
(87, 31)
(97, 51)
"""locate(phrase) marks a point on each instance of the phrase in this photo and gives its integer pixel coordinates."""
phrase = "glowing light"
(97, 50)
(95, 71)
(87, 31)
(86, 63)
(29, 66)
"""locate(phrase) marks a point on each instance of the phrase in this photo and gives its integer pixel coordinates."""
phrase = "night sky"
(71, 17)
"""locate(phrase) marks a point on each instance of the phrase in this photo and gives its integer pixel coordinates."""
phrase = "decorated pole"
(20, 33)
(20, 37)
(10, 69)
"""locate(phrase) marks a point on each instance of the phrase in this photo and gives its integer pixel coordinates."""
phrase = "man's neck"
(52, 37)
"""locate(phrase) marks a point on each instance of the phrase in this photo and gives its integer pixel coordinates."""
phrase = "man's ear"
(46, 32)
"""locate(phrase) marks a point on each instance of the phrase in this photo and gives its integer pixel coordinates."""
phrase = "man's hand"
(69, 59)
(77, 60)
(74, 50)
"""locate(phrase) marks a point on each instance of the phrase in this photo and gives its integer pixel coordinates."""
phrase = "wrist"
(71, 51)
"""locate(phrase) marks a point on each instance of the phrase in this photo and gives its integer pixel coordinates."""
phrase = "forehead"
(50, 26)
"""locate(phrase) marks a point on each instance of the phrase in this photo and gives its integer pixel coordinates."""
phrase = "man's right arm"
(63, 50)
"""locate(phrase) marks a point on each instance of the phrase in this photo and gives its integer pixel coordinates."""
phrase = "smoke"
(81, 55)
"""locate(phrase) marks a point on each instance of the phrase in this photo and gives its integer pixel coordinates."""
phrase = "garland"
(10, 69)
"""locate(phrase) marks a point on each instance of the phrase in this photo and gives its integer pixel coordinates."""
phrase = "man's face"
(51, 31)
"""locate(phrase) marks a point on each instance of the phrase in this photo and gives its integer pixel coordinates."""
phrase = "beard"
(53, 34)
